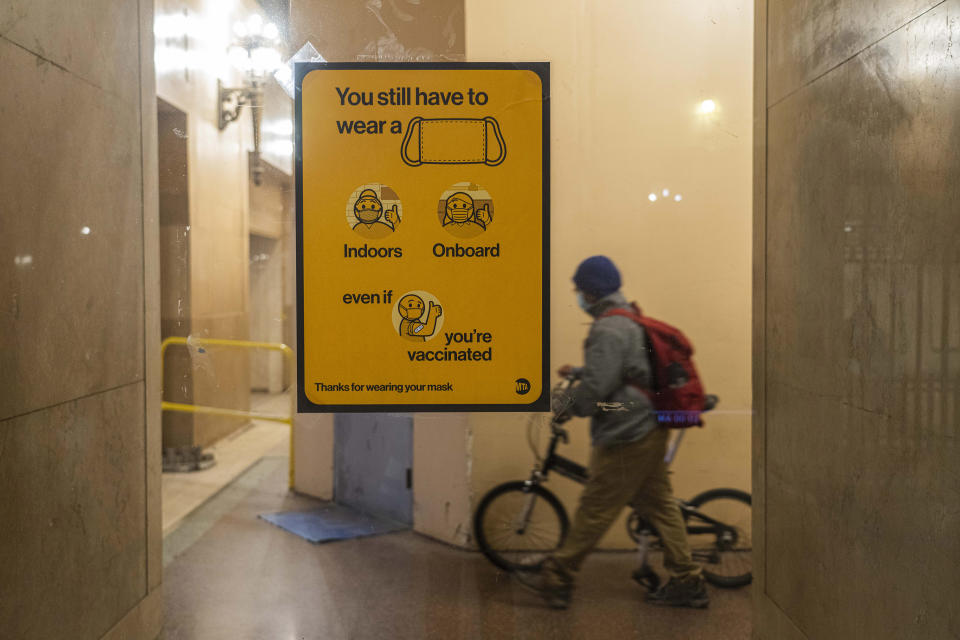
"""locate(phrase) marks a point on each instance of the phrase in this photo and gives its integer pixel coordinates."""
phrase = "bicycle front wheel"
(518, 525)
(718, 529)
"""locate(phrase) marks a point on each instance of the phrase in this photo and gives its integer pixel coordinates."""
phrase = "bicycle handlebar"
(710, 402)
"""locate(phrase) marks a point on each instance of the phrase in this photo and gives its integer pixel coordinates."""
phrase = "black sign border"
(542, 403)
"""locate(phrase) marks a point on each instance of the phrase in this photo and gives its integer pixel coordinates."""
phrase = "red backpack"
(676, 393)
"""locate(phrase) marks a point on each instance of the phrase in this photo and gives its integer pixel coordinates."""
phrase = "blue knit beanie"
(597, 276)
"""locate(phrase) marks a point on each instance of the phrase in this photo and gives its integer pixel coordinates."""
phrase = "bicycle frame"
(722, 537)
(691, 512)
(575, 471)
(553, 461)
(559, 464)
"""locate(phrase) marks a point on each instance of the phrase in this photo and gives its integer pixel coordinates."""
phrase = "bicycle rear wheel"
(517, 525)
(718, 530)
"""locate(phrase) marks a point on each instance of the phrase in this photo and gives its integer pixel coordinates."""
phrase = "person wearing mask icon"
(418, 320)
(368, 210)
(463, 218)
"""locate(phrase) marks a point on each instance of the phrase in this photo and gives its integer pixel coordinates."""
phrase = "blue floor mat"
(332, 522)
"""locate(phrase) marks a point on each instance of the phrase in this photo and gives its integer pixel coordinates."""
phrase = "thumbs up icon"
(392, 215)
(483, 215)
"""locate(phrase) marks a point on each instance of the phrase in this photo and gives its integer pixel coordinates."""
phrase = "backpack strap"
(636, 315)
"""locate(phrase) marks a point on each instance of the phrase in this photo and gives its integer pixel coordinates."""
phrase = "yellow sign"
(422, 236)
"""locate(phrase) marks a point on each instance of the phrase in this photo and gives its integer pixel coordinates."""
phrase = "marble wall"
(175, 267)
(857, 333)
(79, 411)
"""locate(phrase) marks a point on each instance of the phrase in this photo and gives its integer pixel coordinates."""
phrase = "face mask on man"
(582, 301)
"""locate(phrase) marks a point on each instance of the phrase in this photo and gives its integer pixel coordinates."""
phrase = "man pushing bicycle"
(627, 448)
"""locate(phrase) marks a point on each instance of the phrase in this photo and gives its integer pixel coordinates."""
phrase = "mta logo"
(523, 386)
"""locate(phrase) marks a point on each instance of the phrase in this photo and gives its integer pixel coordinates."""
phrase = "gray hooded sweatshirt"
(614, 352)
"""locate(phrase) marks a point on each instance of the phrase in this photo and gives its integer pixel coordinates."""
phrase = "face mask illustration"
(453, 141)
(368, 207)
(460, 207)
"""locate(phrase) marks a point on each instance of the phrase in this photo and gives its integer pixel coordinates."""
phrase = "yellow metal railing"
(234, 413)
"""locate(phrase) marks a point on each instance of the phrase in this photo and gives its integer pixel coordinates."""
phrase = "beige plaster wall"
(313, 448)
(856, 347)
(80, 537)
(627, 79)
(442, 491)
(193, 37)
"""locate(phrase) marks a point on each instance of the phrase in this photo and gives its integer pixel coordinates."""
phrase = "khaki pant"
(635, 474)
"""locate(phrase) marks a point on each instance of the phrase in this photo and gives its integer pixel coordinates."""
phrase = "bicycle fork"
(643, 546)
(644, 574)
(525, 513)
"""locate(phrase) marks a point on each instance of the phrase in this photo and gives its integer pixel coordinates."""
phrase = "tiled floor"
(237, 577)
(184, 492)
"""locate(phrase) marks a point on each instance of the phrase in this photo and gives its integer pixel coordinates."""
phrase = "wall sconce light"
(254, 53)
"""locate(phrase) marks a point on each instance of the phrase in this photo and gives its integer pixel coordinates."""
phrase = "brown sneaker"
(682, 592)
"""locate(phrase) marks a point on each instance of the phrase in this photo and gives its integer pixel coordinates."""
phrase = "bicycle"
(515, 535)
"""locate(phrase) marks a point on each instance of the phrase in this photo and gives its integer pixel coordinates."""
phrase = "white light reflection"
(284, 74)
(677, 198)
(254, 24)
(170, 26)
(191, 42)
(264, 60)
(23, 261)
(279, 127)
(666, 192)
(238, 57)
(85, 231)
(279, 147)
(652, 197)
(708, 106)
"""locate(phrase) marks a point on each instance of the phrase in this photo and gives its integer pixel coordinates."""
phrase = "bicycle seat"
(710, 402)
